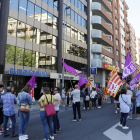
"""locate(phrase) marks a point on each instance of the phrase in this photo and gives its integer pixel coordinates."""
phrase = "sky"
(134, 15)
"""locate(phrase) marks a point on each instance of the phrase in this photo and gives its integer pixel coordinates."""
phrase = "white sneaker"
(125, 127)
(26, 136)
(99, 106)
(84, 108)
(116, 111)
(88, 108)
(22, 138)
(10, 126)
(52, 137)
(120, 125)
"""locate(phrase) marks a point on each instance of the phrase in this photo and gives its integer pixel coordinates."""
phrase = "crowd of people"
(126, 101)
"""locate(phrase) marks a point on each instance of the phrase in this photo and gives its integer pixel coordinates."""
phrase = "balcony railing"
(107, 11)
(110, 26)
(107, 36)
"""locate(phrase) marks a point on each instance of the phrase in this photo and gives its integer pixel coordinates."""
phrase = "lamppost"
(68, 7)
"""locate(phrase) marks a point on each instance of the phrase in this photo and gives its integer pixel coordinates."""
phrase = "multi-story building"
(138, 50)
(108, 37)
(34, 30)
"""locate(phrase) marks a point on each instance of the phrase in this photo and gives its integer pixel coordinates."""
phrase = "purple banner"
(81, 81)
(129, 67)
(134, 81)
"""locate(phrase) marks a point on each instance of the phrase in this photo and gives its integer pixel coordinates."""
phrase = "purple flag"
(129, 67)
(97, 87)
(81, 81)
(134, 81)
(72, 70)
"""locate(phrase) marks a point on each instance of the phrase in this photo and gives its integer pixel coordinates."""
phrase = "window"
(37, 13)
(76, 17)
(83, 8)
(44, 16)
(53, 65)
(76, 34)
(116, 20)
(48, 62)
(50, 3)
(23, 6)
(21, 30)
(72, 15)
(29, 33)
(43, 38)
(79, 20)
(14, 4)
(76, 3)
(54, 42)
(30, 11)
(117, 52)
(72, 32)
(35, 59)
(68, 13)
(10, 54)
(68, 45)
(72, 1)
(12, 24)
(117, 42)
(28, 58)
(50, 19)
(42, 62)
(116, 31)
(19, 56)
(56, 4)
(64, 6)
(49, 40)
(116, 11)
(68, 30)
(79, 5)
(54, 22)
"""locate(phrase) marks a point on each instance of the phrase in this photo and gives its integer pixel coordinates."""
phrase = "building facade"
(108, 37)
(34, 42)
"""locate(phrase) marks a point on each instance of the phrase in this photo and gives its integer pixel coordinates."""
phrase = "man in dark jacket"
(100, 95)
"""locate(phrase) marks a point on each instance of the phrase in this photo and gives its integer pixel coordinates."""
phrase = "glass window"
(42, 59)
(72, 1)
(68, 13)
(83, 9)
(50, 2)
(44, 16)
(43, 37)
(53, 66)
(56, 4)
(21, 28)
(10, 54)
(19, 56)
(37, 13)
(54, 22)
(12, 25)
(76, 34)
(49, 40)
(79, 20)
(76, 3)
(64, 6)
(68, 30)
(37, 35)
(44, 1)
(22, 6)
(76, 17)
(72, 32)
(68, 44)
(54, 42)
(28, 58)
(50, 19)
(48, 62)
(79, 5)
(35, 59)
(29, 32)
(14, 4)
(30, 11)
(72, 15)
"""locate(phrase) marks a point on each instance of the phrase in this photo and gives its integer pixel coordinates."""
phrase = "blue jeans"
(47, 121)
(123, 118)
(112, 100)
(13, 119)
(134, 106)
(93, 102)
(56, 122)
(24, 119)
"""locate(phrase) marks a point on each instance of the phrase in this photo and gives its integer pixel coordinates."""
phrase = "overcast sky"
(134, 15)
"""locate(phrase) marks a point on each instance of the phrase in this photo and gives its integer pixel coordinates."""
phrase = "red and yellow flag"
(105, 94)
(88, 83)
(114, 84)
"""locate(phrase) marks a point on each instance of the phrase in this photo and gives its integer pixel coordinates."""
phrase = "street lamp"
(68, 7)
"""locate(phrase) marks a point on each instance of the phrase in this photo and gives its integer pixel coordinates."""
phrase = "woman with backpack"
(93, 98)
(87, 99)
(116, 101)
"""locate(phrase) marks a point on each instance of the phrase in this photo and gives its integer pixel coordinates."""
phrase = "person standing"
(93, 99)
(55, 117)
(63, 97)
(134, 99)
(9, 100)
(124, 109)
(76, 103)
(84, 96)
(1, 109)
(116, 101)
(129, 97)
(100, 95)
(138, 101)
(24, 98)
(47, 120)
(70, 97)
(87, 99)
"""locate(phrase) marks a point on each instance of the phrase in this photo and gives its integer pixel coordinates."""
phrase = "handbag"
(24, 107)
(87, 98)
(125, 102)
(49, 108)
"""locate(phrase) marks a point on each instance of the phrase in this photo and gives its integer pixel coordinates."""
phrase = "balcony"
(96, 48)
(19, 27)
(96, 63)
(101, 38)
(100, 24)
(101, 11)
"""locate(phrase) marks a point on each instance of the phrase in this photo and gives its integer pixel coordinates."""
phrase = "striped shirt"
(9, 101)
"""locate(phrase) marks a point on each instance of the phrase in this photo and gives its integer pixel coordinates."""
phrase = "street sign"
(93, 70)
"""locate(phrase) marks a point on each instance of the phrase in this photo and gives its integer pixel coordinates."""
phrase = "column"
(103, 78)
(4, 13)
(59, 40)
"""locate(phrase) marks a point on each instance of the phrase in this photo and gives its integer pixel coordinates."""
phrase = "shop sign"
(93, 70)
(27, 72)
(109, 67)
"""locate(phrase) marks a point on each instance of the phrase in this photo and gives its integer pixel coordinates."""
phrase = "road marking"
(115, 134)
